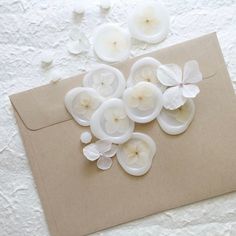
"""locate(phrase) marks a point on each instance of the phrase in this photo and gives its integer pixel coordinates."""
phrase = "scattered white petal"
(112, 152)
(173, 98)
(190, 90)
(86, 137)
(104, 163)
(74, 47)
(192, 72)
(169, 75)
(91, 152)
(79, 42)
(105, 4)
(103, 146)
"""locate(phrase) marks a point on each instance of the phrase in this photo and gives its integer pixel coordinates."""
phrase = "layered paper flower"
(102, 151)
(141, 97)
(85, 104)
(116, 120)
(149, 22)
(181, 84)
(106, 80)
(136, 152)
(103, 83)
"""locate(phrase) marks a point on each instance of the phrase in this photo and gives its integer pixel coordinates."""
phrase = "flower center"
(114, 43)
(140, 98)
(147, 20)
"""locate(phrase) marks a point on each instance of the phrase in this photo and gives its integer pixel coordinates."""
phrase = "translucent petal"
(74, 47)
(104, 163)
(169, 75)
(190, 90)
(112, 151)
(103, 145)
(173, 98)
(91, 152)
(192, 72)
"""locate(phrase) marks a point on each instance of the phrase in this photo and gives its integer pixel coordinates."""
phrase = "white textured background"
(30, 27)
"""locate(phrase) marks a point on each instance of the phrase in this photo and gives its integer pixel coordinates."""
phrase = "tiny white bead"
(86, 137)
(79, 7)
(105, 4)
(46, 59)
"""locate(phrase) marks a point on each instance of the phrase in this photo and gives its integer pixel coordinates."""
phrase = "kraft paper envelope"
(79, 199)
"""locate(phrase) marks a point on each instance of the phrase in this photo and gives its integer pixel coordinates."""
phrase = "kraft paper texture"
(79, 199)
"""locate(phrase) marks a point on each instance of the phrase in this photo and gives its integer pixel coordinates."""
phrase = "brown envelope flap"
(44, 106)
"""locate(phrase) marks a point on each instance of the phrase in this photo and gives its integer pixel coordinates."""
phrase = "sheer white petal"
(173, 98)
(74, 47)
(104, 163)
(112, 152)
(190, 90)
(192, 72)
(103, 145)
(169, 75)
(91, 152)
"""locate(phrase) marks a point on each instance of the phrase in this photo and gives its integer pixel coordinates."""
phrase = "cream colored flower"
(146, 74)
(116, 120)
(103, 83)
(137, 152)
(85, 104)
(142, 98)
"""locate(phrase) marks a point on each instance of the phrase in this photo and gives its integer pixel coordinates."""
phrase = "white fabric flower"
(182, 85)
(85, 104)
(102, 151)
(103, 83)
(116, 120)
(79, 42)
(141, 97)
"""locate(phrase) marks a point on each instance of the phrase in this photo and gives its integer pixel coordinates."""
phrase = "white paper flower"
(111, 122)
(149, 22)
(177, 121)
(81, 103)
(141, 97)
(137, 151)
(103, 83)
(135, 156)
(112, 43)
(116, 120)
(182, 85)
(79, 42)
(106, 80)
(102, 151)
(85, 104)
